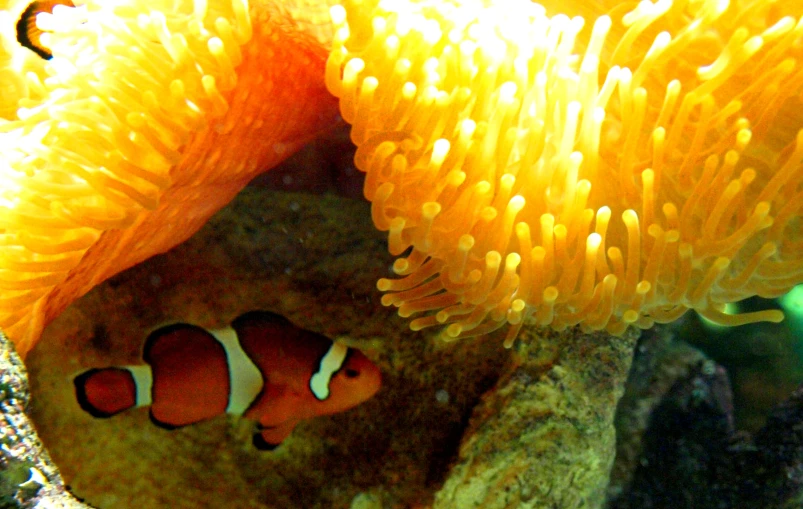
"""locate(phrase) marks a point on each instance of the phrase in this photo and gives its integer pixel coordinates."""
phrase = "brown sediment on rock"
(28, 477)
(544, 437)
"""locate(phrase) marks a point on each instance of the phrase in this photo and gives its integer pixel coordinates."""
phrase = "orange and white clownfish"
(262, 367)
(28, 34)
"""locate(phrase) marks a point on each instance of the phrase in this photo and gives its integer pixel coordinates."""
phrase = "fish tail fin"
(108, 391)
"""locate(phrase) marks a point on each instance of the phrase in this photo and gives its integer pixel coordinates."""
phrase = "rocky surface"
(28, 477)
(678, 445)
(545, 436)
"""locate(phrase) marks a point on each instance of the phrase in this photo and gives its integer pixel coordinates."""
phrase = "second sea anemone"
(600, 171)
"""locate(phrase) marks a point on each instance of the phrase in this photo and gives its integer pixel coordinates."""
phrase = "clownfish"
(261, 367)
(28, 34)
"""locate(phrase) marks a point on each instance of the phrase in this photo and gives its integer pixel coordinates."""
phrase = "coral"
(148, 118)
(600, 170)
(621, 169)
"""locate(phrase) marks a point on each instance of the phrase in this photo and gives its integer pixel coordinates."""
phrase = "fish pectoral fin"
(269, 438)
(261, 445)
(277, 404)
(274, 392)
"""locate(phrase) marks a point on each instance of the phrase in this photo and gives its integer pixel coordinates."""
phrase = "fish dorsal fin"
(330, 363)
(245, 378)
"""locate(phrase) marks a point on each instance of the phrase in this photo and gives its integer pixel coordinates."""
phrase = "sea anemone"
(149, 117)
(602, 171)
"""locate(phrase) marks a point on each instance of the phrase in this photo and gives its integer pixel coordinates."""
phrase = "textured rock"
(689, 453)
(660, 361)
(544, 437)
(28, 478)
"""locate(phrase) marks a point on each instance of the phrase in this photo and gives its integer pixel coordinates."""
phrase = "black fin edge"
(261, 444)
(154, 336)
(260, 316)
(164, 425)
(22, 32)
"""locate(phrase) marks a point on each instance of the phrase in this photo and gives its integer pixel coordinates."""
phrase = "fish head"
(356, 381)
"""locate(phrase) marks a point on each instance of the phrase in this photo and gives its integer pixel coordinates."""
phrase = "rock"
(544, 437)
(690, 454)
(28, 478)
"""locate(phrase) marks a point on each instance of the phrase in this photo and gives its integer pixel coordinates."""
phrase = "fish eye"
(352, 373)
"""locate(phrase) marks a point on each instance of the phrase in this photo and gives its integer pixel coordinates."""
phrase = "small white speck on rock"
(366, 501)
(442, 397)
